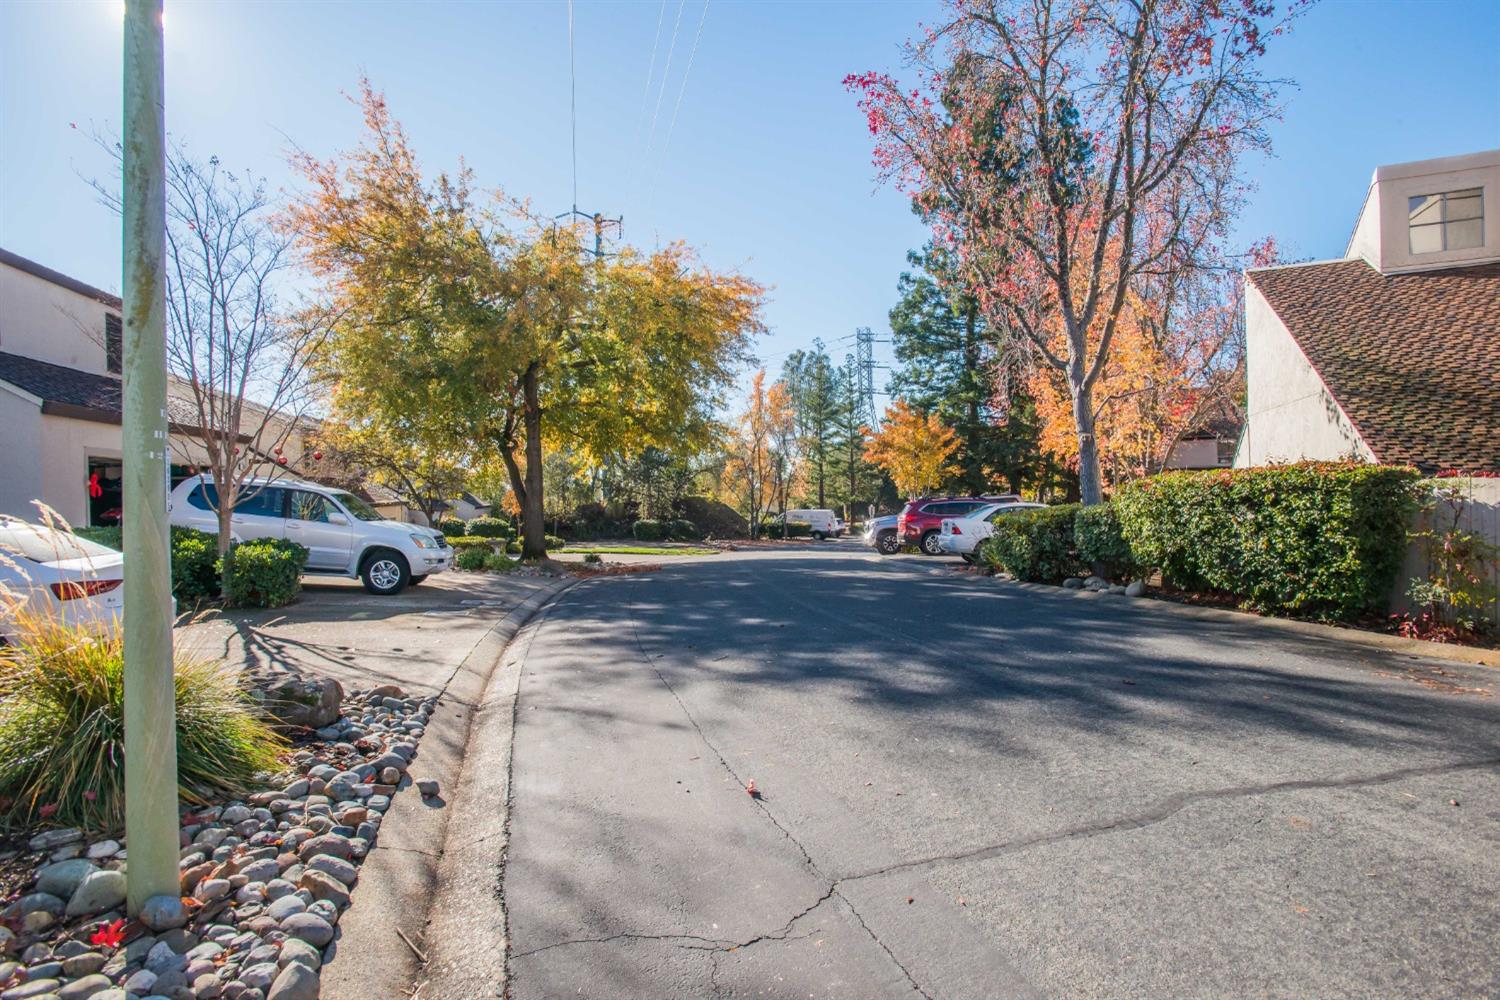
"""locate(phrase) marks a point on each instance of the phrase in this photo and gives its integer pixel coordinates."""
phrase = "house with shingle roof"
(1391, 354)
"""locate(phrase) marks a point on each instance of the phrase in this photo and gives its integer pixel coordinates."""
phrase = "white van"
(825, 523)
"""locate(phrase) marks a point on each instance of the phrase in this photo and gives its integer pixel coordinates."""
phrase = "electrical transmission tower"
(864, 371)
(600, 223)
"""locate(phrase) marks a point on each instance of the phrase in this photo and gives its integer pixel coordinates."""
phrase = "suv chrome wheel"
(887, 543)
(930, 544)
(385, 572)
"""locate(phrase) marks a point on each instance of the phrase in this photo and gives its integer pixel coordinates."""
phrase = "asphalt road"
(974, 789)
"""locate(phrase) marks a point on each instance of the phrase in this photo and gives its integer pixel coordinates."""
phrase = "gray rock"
(161, 913)
(295, 950)
(285, 907)
(61, 879)
(427, 787)
(1096, 583)
(161, 959)
(141, 983)
(259, 976)
(212, 888)
(1136, 588)
(100, 891)
(337, 867)
(326, 844)
(44, 970)
(103, 849)
(33, 902)
(296, 982)
(324, 886)
(1116, 588)
(310, 703)
(207, 987)
(83, 965)
(82, 989)
(27, 990)
(1073, 583)
(308, 927)
(51, 840)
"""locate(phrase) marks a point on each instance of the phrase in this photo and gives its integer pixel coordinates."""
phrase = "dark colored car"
(920, 520)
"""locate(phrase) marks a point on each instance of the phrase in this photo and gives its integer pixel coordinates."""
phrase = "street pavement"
(975, 789)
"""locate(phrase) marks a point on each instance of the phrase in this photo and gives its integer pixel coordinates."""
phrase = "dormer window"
(1453, 220)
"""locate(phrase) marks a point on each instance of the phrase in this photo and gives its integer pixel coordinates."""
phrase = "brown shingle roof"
(65, 391)
(1413, 359)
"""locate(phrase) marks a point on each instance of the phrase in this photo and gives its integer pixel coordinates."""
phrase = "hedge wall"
(1035, 545)
(1318, 538)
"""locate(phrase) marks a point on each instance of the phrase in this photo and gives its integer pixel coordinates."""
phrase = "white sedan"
(960, 536)
(50, 572)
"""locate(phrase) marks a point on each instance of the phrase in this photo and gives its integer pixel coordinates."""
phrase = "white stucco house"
(60, 436)
(1391, 354)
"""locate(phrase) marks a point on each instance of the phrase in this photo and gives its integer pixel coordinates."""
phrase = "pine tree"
(810, 381)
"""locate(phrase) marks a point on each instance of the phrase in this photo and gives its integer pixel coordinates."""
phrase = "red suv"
(920, 520)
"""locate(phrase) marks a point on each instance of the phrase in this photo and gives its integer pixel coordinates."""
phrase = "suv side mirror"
(334, 517)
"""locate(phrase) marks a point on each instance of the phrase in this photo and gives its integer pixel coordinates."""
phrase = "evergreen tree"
(948, 363)
(810, 380)
(853, 481)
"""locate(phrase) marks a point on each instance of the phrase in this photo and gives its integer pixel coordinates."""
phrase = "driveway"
(974, 789)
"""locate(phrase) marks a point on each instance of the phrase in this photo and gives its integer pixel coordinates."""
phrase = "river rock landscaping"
(264, 879)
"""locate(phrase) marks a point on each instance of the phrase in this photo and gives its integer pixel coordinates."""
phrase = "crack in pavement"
(1166, 809)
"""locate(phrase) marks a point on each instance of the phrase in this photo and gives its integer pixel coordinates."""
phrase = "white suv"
(343, 535)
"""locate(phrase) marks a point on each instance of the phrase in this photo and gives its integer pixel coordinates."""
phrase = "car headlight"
(424, 541)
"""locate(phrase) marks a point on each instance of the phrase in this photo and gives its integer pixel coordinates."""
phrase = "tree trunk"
(225, 512)
(533, 525)
(1090, 487)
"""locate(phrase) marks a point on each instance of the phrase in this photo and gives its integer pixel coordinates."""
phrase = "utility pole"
(599, 222)
(150, 695)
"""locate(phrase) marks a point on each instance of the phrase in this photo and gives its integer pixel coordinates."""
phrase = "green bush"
(472, 559)
(264, 573)
(648, 531)
(513, 547)
(195, 565)
(682, 530)
(786, 529)
(1319, 538)
(490, 527)
(466, 543)
(553, 542)
(1035, 545)
(452, 527)
(499, 564)
(62, 728)
(1100, 542)
(592, 558)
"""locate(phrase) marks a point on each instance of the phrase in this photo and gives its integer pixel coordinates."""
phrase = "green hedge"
(452, 527)
(264, 573)
(648, 531)
(1036, 545)
(108, 537)
(466, 542)
(681, 530)
(195, 565)
(1317, 538)
(472, 558)
(1101, 542)
(490, 527)
(553, 542)
(786, 529)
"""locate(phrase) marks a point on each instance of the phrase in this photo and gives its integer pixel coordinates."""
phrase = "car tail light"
(954, 529)
(68, 590)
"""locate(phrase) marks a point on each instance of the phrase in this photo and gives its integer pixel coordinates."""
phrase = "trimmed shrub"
(711, 518)
(552, 542)
(452, 527)
(592, 558)
(648, 531)
(496, 563)
(513, 547)
(472, 558)
(682, 530)
(459, 545)
(1100, 542)
(264, 573)
(1036, 545)
(195, 565)
(490, 527)
(786, 529)
(62, 728)
(1321, 538)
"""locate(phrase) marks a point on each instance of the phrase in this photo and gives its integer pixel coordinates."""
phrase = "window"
(113, 351)
(263, 502)
(359, 508)
(310, 506)
(1453, 220)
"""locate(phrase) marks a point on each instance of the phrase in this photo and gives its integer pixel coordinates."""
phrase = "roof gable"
(1412, 359)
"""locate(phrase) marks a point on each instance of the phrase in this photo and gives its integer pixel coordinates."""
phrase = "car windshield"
(358, 507)
(42, 545)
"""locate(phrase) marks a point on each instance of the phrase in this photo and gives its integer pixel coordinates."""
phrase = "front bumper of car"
(435, 560)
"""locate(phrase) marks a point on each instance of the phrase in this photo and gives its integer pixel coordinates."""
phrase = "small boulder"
(61, 879)
(304, 703)
(1135, 588)
(1073, 583)
(308, 927)
(163, 913)
(100, 891)
(82, 989)
(296, 982)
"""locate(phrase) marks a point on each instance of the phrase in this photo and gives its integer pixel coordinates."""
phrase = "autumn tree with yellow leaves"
(915, 449)
(479, 331)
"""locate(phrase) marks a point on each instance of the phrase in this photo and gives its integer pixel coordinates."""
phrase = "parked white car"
(52, 572)
(960, 536)
(825, 523)
(343, 535)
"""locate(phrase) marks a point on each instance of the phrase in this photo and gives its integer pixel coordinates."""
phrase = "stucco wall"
(67, 446)
(1198, 453)
(1480, 513)
(50, 323)
(1291, 414)
(20, 454)
(1382, 235)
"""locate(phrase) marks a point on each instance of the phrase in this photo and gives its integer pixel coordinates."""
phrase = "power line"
(640, 119)
(573, 102)
(666, 145)
(665, 73)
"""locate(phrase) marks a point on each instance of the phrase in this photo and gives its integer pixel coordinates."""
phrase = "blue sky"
(767, 167)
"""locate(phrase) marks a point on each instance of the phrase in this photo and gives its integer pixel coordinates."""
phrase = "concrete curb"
(398, 881)
(1375, 640)
(466, 918)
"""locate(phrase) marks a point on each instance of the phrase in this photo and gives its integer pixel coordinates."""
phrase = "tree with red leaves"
(1066, 151)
